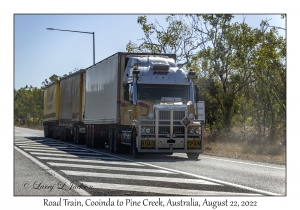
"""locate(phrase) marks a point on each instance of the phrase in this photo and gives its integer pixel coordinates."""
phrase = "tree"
(28, 105)
(178, 38)
(54, 78)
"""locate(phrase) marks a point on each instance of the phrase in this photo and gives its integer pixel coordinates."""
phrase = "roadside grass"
(245, 145)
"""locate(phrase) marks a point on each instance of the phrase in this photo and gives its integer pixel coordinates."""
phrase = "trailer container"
(51, 108)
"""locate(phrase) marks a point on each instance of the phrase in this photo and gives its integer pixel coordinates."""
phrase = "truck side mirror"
(197, 90)
(126, 92)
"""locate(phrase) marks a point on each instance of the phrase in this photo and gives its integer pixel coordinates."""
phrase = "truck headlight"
(197, 130)
(191, 116)
(151, 115)
(192, 130)
(148, 130)
(142, 130)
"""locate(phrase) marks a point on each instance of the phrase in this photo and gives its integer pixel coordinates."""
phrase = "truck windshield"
(158, 92)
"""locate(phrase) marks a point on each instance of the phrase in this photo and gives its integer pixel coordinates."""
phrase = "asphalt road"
(78, 170)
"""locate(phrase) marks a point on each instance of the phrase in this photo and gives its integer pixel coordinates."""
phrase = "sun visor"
(160, 66)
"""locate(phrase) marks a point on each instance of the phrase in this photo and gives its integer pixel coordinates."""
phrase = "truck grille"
(164, 115)
(165, 124)
(179, 115)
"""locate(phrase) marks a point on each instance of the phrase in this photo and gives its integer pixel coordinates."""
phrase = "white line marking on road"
(53, 173)
(62, 152)
(214, 180)
(62, 155)
(76, 156)
(47, 147)
(240, 162)
(109, 168)
(91, 161)
(53, 150)
(190, 174)
(136, 177)
(176, 171)
(161, 190)
(35, 143)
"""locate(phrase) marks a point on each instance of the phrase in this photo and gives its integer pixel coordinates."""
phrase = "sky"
(40, 53)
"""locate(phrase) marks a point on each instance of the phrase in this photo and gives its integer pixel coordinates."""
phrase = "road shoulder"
(32, 180)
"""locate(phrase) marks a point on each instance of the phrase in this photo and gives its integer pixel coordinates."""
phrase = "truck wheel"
(60, 134)
(45, 130)
(67, 134)
(63, 134)
(116, 144)
(102, 143)
(94, 142)
(50, 131)
(134, 151)
(76, 135)
(111, 140)
(193, 156)
(53, 133)
(87, 135)
(81, 138)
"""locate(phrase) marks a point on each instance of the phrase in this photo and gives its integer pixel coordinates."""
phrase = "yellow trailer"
(71, 109)
(51, 108)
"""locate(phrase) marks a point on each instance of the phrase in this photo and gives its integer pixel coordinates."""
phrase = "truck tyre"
(54, 133)
(93, 140)
(87, 135)
(111, 140)
(50, 131)
(134, 151)
(117, 145)
(62, 134)
(192, 156)
(76, 135)
(67, 134)
(81, 139)
(45, 130)
(102, 143)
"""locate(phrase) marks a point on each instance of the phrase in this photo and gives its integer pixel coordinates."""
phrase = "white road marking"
(53, 173)
(66, 154)
(54, 150)
(61, 152)
(240, 162)
(136, 177)
(90, 161)
(110, 168)
(161, 190)
(35, 143)
(213, 180)
(77, 156)
(176, 171)
(48, 148)
(194, 175)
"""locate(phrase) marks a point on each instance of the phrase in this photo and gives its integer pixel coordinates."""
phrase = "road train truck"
(139, 101)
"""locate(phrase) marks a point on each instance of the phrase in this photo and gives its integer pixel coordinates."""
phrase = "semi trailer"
(63, 108)
(141, 102)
